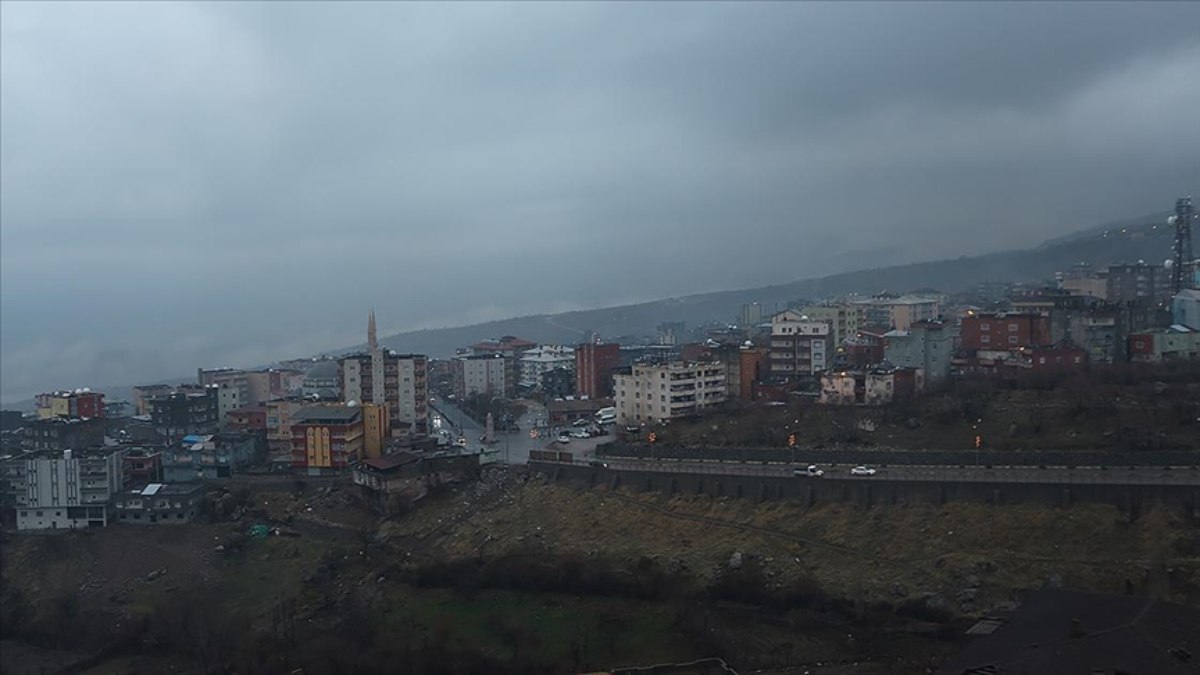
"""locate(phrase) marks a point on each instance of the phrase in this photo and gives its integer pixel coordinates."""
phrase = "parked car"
(813, 470)
(563, 438)
(581, 422)
(580, 434)
(862, 471)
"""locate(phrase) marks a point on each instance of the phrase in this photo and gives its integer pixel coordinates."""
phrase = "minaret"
(372, 342)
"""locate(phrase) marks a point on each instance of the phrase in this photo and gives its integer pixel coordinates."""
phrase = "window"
(39, 514)
(985, 339)
(985, 326)
(1012, 339)
(1012, 327)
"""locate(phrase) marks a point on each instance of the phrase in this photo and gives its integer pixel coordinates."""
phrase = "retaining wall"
(1131, 499)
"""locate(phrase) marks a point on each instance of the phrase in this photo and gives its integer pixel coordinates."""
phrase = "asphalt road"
(514, 447)
(1082, 475)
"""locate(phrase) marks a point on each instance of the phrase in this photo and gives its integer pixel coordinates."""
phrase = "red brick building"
(594, 366)
(1001, 331)
(142, 466)
(71, 404)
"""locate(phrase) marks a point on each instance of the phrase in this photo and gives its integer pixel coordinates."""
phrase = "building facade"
(200, 457)
(1177, 343)
(326, 439)
(159, 504)
(800, 347)
(185, 411)
(928, 345)
(1002, 331)
(1185, 308)
(63, 433)
(534, 362)
(279, 422)
(842, 319)
(594, 368)
(652, 393)
(64, 490)
(398, 381)
(896, 312)
(77, 403)
(558, 383)
(481, 375)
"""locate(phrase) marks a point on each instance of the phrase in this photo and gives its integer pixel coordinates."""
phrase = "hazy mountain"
(1143, 238)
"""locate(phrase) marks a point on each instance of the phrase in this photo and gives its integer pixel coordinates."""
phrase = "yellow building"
(377, 427)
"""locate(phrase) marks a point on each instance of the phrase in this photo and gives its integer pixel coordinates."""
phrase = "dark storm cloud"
(227, 183)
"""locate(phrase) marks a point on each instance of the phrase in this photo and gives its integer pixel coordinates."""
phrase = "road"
(514, 447)
(1082, 475)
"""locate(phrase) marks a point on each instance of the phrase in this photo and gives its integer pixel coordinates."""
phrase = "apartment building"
(185, 410)
(64, 490)
(841, 317)
(160, 504)
(896, 312)
(199, 457)
(279, 422)
(481, 375)
(1176, 343)
(1004, 330)
(928, 345)
(78, 403)
(398, 381)
(63, 433)
(800, 346)
(326, 439)
(656, 392)
(534, 362)
(323, 382)
(594, 368)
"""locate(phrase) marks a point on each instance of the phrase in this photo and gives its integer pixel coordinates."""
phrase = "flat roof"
(343, 413)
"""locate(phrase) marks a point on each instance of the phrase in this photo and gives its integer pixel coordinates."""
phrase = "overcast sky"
(230, 183)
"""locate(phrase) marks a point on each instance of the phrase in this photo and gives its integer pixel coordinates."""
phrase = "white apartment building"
(658, 392)
(70, 490)
(897, 313)
(541, 359)
(482, 374)
(800, 346)
(399, 380)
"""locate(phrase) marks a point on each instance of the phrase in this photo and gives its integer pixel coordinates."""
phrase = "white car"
(862, 471)
(563, 438)
(813, 470)
(580, 434)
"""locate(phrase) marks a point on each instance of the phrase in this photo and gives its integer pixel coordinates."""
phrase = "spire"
(372, 342)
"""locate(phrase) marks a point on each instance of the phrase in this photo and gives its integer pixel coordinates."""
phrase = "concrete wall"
(911, 457)
(1131, 499)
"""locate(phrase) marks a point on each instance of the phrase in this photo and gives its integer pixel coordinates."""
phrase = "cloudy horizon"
(200, 184)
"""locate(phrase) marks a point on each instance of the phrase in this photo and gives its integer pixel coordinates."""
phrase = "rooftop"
(337, 413)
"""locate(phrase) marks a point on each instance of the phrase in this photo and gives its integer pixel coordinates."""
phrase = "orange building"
(327, 438)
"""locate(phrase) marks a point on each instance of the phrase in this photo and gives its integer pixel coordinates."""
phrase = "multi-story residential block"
(751, 314)
(185, 410)
(279, 422)
(840, 387)
(481, 375)
(1133, 282)
(657, 392)
(78, 403)
(64, 490)
(863, 349)
(209, 456)
(534, 362)
(1177, 343)
(326, 439)
(800, 346)
(160, 504)
(377, 428)
(841, 317)
(928, 345)
(594, 368)
(63, 433)
(398, 381)
(896, 312)
(143, 394)
(323, 382)
(558, 383)
(1004, 331)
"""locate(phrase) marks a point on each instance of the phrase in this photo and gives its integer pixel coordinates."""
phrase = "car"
(563, 438)
(813, 470)
(582, 422)
(862, 471)
(580, 434)
(461, 442)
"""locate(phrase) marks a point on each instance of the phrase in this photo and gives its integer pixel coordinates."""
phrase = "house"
(1175, 343)
(928, 345)
(200, 457)
(160, 504)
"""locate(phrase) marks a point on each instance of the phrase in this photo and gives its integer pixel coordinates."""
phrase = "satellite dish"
(1172, 220)
(1168, 263)
(351, 404)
